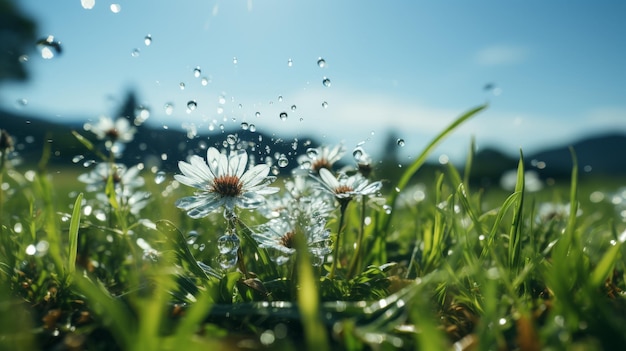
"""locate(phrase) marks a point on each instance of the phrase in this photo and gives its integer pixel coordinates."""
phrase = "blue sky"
(558, 67)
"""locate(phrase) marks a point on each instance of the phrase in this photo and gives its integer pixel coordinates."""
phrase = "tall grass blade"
(73, 236)
(515, 233)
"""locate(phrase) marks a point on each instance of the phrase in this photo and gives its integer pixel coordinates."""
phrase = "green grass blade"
(73, 236)
(384, 220)
(88, 145)
(571, 220)
(516, 226)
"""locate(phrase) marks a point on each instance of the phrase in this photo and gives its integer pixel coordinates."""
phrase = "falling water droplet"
(245, 125)
(312, 152)
(283, 116)
(257, 114)
(280, 98)
(116, 8)
(147, 40)
(181, 85)
(88, 4)
(321, 62)
(169, 108)
(400, 142)
(326, 82)
(204, 81)
(252, 128)
(235, 61)
(325, 104)
(231, 139)
(293, 107)
(77, 158)
(228, 243)
(357, 154)
(49, 47)
(283, 161)
(192, 105)
(159, 177)
(289, 62)
(197, 71)
(135, 52)
(192, 236)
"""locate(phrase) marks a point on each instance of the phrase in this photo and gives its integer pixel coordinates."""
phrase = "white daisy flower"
(223, 181)
(321, 157)
(345, 188)
(126, 179)
(118, 131)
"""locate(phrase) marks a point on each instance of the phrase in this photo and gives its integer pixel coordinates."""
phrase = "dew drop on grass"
(325, 104)
(147, 40)
(116, 8)
(197, 71)
(283, 116)
(321, 62)
(400, 142)
(159, 177)
(192, 105)
(326, 82)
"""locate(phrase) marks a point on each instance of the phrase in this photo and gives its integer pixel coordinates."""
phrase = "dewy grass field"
(222, 255)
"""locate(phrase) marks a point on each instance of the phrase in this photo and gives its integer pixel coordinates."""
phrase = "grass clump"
(323, 259)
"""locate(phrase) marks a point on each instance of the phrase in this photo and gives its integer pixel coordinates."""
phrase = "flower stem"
(357, 259)
(343, 206)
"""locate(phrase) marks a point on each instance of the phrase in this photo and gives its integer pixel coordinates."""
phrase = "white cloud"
(501, 55)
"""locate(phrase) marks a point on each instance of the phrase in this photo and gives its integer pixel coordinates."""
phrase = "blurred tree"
(17, 38)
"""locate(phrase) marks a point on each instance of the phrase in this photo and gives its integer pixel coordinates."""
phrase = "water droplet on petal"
(197, 71)
(321, 62)
(116, 8)
(400, 142)
(192, 105)
(326, 82)
(325, 104)
(357, 154)
(283, 116)
(312, 152)
(147, 40)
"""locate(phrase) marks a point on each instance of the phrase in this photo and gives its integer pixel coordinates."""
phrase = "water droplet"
(283, 161)
(192, 236)
(293, 107)
(88, 163)
(22, 102)
(204, 81)
(228, 243)
(135, 52)
(326, 82)
(321, 62)
(289, 62)
(257, 114)
(245, 125)
(252, 128)
(312, 153)
(77, 158)
(192, 105)
(116, 8)
(31, 250)
(387, 209)
(147, 40)
(142, 114)
(283, 116)
(181, 85)
(400, 142)
(357, 154)
(325, 104)
(88, 4)
(49, 47)
(159, 177)
(231, 139)
(169, 108)
(227, 261)
(221, 100)
(197, 71)
(235, 61)
(280, 98)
